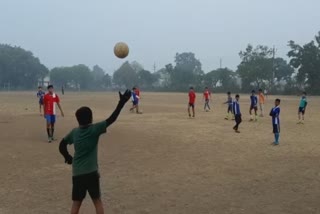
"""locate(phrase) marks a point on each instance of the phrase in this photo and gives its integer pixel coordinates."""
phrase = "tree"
(255, 66)
(98, 77)
(107, 81)
(186, 72)
(282, 70)
(125, 76)
(306, 59)
(136, 66)
(20, 68)
(222, 79)
(77, 77)
(146, 79)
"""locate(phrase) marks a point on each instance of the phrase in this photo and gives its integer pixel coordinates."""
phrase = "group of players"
(233, 110)
(85, 173)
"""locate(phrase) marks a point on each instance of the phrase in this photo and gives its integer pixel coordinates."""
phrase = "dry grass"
(161, 161)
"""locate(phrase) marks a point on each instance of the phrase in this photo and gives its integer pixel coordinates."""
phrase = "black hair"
(229, 92)
(304, 93)
(260, 89)
(84, 116)
(278, 100)
(237, 96)
(253, 91)
(39, 87)
(134, 88)
(191, 88)
(206, 87)
(49, 86)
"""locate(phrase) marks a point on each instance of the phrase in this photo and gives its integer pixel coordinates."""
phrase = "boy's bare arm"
(59, 106)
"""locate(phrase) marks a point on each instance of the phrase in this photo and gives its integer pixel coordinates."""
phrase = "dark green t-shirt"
(85, 141)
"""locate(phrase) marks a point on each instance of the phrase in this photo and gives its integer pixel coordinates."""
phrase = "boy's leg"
(53, 121)
(189, 110)
(98, 205)
(48, 125)
(193, 111)
(94, 191)
(76, 207)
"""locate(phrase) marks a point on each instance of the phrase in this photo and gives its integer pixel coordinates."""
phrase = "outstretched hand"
(125, 96)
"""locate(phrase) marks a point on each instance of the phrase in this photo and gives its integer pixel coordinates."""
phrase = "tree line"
(259, 68)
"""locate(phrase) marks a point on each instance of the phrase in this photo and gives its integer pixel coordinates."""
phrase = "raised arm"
(123, 100)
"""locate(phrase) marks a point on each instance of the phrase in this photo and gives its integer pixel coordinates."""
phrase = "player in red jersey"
(207, 98)
(192, 100)
(49, 101)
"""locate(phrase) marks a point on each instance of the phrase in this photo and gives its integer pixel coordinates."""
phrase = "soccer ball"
(121, 50)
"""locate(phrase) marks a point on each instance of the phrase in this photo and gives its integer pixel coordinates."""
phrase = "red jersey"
(49, 102)
(192, 97)
(206, 94)
(137, 92)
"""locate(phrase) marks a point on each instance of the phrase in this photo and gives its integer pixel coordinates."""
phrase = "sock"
(48, 132)
(52, 131)
(276, 136)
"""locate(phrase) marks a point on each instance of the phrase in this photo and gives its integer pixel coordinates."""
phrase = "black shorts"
(191, 105)
(301, 110)
(276, 128)
(254, 108)
(86, 183)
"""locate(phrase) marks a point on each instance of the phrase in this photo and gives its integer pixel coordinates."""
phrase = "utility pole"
(273, 71)
(220, 62)
(154, 68)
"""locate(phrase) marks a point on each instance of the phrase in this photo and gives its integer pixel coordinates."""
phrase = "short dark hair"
(253, 91)
(84, 116)
(278, 100)
(134, 88)
(304, 93)
(50, 86)
(39, 87)
(237, 96)
(191, 88)
(229, 92)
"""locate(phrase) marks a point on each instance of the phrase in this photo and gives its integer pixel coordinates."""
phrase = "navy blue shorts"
(50, 118)
(276, 128)
(135, 103)
(41, 102)
(301, 110)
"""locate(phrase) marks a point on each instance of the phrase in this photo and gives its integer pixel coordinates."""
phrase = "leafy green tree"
(282, 70)
(186, 72)
(146, 79)
(136, 66)
(107, 81)
(306, 59)
(98, 77)
(255, 67)
(20, 68)
(125, 76)
(222, 79)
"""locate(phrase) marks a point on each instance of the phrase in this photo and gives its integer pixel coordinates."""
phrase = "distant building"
(44, 82)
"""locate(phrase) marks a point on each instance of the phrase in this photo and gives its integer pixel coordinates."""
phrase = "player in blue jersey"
(40, 95)
(237, 113)
(275, 113)
(253, 106)
(302, 107)
(135, 101)
(229, 103)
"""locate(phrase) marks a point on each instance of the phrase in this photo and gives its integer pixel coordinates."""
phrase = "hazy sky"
(68, 32)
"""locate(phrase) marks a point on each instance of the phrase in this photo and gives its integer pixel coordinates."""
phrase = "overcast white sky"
(68, 32)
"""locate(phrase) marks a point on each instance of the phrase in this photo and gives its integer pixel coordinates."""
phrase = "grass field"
(162, 162)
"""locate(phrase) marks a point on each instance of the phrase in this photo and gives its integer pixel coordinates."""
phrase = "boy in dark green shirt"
(85, 175)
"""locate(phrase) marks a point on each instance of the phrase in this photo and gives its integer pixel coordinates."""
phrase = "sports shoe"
(49, 139)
